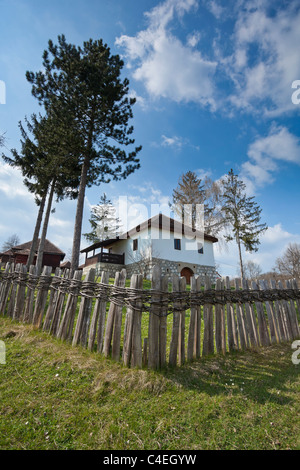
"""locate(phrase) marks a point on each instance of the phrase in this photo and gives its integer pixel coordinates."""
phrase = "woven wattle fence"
(170, 323)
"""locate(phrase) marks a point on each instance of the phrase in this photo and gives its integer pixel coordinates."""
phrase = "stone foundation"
(145, 268)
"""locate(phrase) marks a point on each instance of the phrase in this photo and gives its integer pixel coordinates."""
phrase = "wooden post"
(241, 321)
(295, 287)
(52, 300)
(271, 316)
(198, 322)
(192, 326)
(136, 348)
(220, 322)
(98, 319)
(176, 320)
(126, 356)
(67, 323)
(153, 357)
(59, 304)
(279, 316)
(262, 324)
(251, 320)
(208, 334)
(20, 297)
(163, 325)
(116, 342)
(285, 314)
(32, 280)
(4, 287)
(293, 313)
(232, 330)
(82, 324)
(13, 291)
(111, 316)
(181, 355)
(41, 297)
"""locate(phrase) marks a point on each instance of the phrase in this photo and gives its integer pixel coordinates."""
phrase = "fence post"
(42, 294)
(181, 355)
(98, 317)
(31, 286)
(82, 324)
(20, 296)
(163, 325)
(176, 320)
(220, 322)
(153, 356)
(52, 299)
(193, 320)
(262, 324)
(136, 348)
(208, 335)
(66, 325)
(198, 322)
(241, 321)
(129, 326)
(13, 291)
(293, 313)
(250, 318)
(116, 341)
(59, 304)
(285, 314)
(4, 287)
(270, 313)
(232, 331)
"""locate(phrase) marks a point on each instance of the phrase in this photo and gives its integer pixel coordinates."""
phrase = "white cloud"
(215, 8)
(166, 66)
(265, 61)
(11, 183)
(265, 155)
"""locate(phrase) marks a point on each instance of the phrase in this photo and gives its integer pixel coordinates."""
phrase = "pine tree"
(47, 169)
(104, 222)
(192, 191)
(83, 84)
(242, 216)
(189, 193)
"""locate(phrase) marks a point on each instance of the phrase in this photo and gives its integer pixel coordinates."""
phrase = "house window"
(177, 243)
(200, 248)
(135, 245)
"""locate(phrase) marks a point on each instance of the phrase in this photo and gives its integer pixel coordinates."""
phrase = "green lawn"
(55, 396)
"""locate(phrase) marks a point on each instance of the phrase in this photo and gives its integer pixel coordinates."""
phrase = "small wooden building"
(53, 256)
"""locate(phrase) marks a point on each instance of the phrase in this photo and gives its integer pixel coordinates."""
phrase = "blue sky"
(213, 82)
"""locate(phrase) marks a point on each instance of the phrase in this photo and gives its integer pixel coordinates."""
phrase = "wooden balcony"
(111, 258)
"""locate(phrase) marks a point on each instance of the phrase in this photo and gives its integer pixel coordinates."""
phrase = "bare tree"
(143, 257)
(252, 270)
(12, 241)
(289, 263)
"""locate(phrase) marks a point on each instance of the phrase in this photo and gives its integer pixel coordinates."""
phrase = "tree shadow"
(263, 375)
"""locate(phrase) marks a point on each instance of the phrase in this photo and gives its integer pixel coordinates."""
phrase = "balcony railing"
(112, 258)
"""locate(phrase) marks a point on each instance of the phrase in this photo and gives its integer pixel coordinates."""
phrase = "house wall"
(163, 248)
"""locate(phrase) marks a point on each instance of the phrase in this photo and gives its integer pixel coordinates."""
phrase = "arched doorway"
(187, 273)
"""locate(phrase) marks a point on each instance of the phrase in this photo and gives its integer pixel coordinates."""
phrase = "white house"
(159, 240)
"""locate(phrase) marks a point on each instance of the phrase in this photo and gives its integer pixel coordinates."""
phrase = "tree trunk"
(240, 256)
(79, 216)
(36, 232)
(39, 260)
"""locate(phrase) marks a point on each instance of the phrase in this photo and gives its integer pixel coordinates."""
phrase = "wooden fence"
(170, 323)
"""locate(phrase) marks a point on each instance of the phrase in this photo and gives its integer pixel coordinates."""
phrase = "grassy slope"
(54, 396)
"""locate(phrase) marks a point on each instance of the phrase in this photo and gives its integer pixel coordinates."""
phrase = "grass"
(55, 396)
